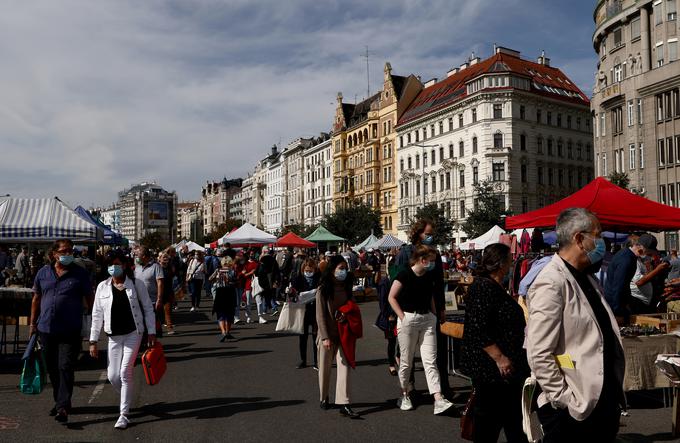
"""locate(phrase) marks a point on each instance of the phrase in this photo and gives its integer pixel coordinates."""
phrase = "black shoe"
(53, 412)
(231, 337)
(348, 412)
(325, 405)
(301, 365)
(62, 416)
(222, 337)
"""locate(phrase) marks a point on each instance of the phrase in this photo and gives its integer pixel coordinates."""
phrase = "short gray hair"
(572, 221)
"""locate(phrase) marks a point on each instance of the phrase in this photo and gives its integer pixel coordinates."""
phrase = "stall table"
(14, 303)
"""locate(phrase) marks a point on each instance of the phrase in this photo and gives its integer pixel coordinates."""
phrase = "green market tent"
(364, 244)
(323, 235)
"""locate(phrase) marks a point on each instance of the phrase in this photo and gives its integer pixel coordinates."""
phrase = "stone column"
(645, 53)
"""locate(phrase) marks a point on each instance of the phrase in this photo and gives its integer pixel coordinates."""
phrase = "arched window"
(474, 144)
(401, 164)
(365, 134)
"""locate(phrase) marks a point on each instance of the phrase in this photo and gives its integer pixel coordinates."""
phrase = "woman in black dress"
(224, 305)
(492, 353)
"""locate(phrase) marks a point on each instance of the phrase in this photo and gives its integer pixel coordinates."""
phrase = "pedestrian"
(195, 276)
(122, 306)
(150, 272)
(224, 280)
(573, 341)
(334, 291)
(239, 265)
(167, 298)
(492, 354)
(411, 298)
(387, 322)
(22, 267)
(57, 314)
(212, 264)
(308, 280)
(269, 278)
(248, 273)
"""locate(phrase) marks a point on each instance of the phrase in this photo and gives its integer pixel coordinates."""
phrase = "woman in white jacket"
(123, 307)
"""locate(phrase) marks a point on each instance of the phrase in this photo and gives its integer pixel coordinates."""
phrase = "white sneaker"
(192, 309)
(262, 321)
(122, 422)
(237, 321)
(441, 406)
(249, 320)
(404, 403)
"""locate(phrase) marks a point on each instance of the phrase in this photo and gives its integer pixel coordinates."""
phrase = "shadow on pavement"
(639, 438)
(220, 354)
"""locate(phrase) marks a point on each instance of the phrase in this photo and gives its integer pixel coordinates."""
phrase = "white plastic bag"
(291, 318)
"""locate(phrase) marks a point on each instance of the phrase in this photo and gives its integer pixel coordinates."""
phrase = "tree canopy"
(489, 210)
(354, 222)
(443, 226)
(620, 179)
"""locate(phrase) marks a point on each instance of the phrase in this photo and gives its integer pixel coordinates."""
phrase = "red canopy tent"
(616, 208)
(294, 241)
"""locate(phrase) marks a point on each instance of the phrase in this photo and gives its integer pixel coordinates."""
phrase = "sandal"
(393, 372)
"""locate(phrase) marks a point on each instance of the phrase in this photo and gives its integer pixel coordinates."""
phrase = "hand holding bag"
(256, 286)
(291, 318)
(34, 374)
(154, 364)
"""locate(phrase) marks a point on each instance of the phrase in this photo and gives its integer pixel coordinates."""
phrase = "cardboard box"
(667, 321)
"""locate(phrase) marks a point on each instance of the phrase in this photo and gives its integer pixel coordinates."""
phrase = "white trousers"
(123, 351)
(414, 330)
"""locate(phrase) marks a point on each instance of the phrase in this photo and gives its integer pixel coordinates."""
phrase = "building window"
(539, 145)
(629, 108)
(417, 136)
(658, 17)
(538, 116)
(549, 118)
(639, 111)
(441, 154)
(539, 172)
(474, 145)
(450, 123)
(669, 148)
(642, 156)
(525, 204)
(523, 142)
(560, 151)
(661, 151)
(475, 175)
(550, 176)
(578, 123)
(659, 55)
(460, 120)
(672, 50)
(677, 148)
(522, 112)
(671, 10)
(498, 172)
(448, 180)
(560, 177)
(635, 29)
(417, 161)
(441, 127)
(570, 150)
(631, 156)
(433, 156)
(559, 120)
(662, 194)
(617, 120)
(568, 121)
(461, 149)
(450, 150)
(441, 181)
(474, 115)
(523, 173)
(498, 140)
(461, 178)
(618, 73)
(497, 111)
(410, 164)
(605, 170)
(550, 146)
(424, 159)
(603, 130)
(462, 209)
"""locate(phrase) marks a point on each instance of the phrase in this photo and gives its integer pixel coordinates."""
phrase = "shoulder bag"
(467, 424)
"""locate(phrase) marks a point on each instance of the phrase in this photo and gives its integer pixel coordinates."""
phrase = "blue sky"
(100, 95)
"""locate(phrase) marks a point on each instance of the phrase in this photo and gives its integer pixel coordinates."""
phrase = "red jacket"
(350, 330)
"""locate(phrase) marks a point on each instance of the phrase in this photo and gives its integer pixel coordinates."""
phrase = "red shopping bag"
(153, 362)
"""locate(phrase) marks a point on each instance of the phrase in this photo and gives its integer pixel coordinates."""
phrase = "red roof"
(294, 241)
(546, 81)
(616, 208)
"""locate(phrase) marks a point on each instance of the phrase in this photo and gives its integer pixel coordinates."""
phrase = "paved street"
(249, 391)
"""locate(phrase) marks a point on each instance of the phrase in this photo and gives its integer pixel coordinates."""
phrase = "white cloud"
(99, 95)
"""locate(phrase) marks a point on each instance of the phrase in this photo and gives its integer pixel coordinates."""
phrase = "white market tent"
(247, 235)
(192, 246)
(43, 220)
(364, 244)
(489, 237)
(386, 242)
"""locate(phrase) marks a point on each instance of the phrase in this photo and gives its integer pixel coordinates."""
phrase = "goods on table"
(667, 321)
(638, 330)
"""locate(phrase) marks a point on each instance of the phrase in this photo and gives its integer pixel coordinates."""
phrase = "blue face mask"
(115, 270)
(428, 240)
(309, 274)
(430, 266)
(596, 255)
(65, 259)
(341, 274)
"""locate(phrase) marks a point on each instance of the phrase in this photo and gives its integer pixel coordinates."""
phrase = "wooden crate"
(667, 321)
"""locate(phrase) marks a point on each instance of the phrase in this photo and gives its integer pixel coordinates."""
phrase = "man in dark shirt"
(59, 291)
(621, 271)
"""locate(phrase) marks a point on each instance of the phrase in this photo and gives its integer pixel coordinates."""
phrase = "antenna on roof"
(368, 78)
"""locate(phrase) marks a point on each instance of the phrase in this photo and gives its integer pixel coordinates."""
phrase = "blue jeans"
(195, 286)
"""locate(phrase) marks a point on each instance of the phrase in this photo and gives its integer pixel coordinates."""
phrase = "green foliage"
(155, 241)
(620, 179)
(443, 226)
(490, 210)
(220, 230)
(354, 222)
(297, 228)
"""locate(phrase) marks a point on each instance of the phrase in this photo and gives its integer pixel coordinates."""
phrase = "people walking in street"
(123, 308)
(573, 342)
(239, 265)
(195, 276)
(167, 298)
(150, 272)
(269, 278)
(492, 353)
(56, 314)
(387, 322)
(411, 298)
(22, 267)
(308, 280)
(248, 273)
(212, 263)
(334, 291)
(224, 280)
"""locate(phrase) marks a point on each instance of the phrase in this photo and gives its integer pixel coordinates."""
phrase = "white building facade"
(318, 180)
(523, 125)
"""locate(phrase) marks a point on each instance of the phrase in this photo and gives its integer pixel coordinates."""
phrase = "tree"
(354, 222)
(620, 179)
(221, 230)
(298, 229)
(489, 211)
(443, 232)
(155, 241)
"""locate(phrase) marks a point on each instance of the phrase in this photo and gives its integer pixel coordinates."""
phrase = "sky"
(99, 95)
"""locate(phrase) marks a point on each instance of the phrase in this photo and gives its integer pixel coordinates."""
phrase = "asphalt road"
(249, 390)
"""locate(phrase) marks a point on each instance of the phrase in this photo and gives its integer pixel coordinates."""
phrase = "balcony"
(501, 151)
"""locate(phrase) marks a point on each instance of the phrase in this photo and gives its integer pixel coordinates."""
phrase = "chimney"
(507, 51)
(474, 60)
(543, 60)
(274, 150)
(430, 82)
(451, 72)
(463, 66)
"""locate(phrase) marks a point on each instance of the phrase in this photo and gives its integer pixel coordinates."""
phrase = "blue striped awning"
(386, 242)
(43, 219)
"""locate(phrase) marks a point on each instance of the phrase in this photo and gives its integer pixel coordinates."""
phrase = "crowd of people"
(553, 318)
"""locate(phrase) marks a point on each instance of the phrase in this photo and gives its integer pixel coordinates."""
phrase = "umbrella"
(386, 242)
(294, 241)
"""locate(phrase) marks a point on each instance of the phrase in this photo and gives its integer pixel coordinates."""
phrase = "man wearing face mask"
(59, 291)
(422, 233)
(621, 271)
(573, 343)
(150, 272)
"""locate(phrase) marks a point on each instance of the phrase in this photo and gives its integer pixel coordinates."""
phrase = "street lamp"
(422, 177)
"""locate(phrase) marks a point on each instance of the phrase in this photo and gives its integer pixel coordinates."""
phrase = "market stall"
(109, 237)
(291, 240)
(387, 242)
(247, 235)
(491, 236)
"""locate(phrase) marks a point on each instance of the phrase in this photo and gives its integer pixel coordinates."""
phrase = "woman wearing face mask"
(412, 301)
(123, 307)
(334, 291)
(493, 354)
(308, 280)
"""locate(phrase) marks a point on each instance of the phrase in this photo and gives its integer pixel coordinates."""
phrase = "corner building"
(521, 124)
(636, 99)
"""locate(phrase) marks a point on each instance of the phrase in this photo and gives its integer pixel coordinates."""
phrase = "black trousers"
(499, 406)
(61, 354)
(443, 359)
(310, 323)
(602, 424)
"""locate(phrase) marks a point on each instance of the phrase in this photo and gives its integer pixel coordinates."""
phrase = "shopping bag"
(154, 364)
(307, 296)
(256, 287)
(530, 423)
(291, 318)
(34, 373)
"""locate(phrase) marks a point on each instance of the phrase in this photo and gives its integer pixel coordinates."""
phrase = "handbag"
(291, 318)
(34, 373)
(256, 286)
(154, 364)
(467, 424)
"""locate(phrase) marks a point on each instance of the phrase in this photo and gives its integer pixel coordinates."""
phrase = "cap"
(648, 241)
(370, 249)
